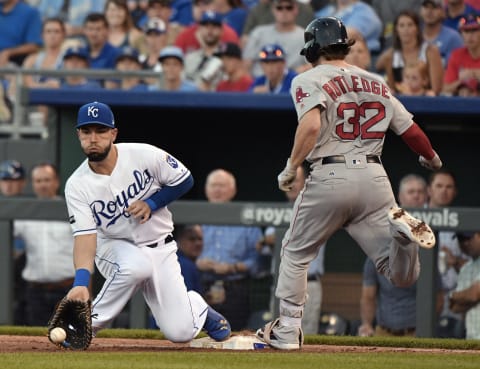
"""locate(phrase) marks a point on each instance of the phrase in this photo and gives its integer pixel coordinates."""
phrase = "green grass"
(264, 359)
(238, 360)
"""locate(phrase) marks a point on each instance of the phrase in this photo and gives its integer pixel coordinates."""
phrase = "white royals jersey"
(357, 109)
(96, 203)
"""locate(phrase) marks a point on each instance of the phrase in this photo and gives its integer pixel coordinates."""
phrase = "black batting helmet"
(321, 33)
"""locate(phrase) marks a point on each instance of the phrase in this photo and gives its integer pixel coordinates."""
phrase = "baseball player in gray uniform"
(117, 204)
(343, 114)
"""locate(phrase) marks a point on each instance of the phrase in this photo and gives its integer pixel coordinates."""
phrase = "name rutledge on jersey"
(340, 85)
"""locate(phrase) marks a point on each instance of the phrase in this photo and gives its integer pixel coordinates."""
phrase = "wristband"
(82, 278)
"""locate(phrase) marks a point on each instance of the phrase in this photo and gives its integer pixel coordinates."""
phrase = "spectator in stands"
(387, 310)
(165, 10)
(468, 88)
(283, 31)
(190, 245)
(464, 62)
(172, 61)
(137, 9)
(228, 255)
(277, 77)
(455, 10)
(121, 29)
(12, 184)
(432, 14)
(49, 57)
(20, 31)
(5, 103)
(466, 297)
(415, 81)
(12, 178)
(359, 54)
(72, 12)
(102, 54)
(357, 17)
(233, 12)
(442, 190)
(388, 10)
(155, 40)
(77, 58)
(262, 13)
(412, 191)
(409, 47)
(201, 66)
(188, 38)
(236, 77)
(127, 61)
(49, 270)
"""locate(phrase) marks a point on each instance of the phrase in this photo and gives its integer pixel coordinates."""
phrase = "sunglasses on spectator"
(288, 7)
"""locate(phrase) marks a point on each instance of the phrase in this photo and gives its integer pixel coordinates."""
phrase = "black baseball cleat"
(216, 325)
(410, 229)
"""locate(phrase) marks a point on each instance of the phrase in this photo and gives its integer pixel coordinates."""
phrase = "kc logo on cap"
(92, 111)
(95, 113)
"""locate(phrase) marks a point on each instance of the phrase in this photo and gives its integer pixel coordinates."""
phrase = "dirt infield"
(42, 344)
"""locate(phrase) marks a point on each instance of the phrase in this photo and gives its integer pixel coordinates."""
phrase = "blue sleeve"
(168, 194)
(253, 235)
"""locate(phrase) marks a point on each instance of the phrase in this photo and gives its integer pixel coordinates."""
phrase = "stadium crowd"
(421, 47)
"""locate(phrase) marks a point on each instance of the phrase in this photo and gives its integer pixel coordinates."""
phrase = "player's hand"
(286, 178)
(140, 210)
(434, 164)
(365, 330)
(79, 293)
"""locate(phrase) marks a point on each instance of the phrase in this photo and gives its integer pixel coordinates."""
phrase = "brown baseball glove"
(75, 317)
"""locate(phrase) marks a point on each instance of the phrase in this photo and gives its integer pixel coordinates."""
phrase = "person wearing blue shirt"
(276, 78)
(102, 54)
(20, 31)
(228, 257)
(456, 10)
(76, 58)
(73, 14)
(437, 33)
(179, 12)
(360, 17)
(189, 239)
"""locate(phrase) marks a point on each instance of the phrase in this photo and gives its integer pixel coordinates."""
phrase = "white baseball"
(58, 335)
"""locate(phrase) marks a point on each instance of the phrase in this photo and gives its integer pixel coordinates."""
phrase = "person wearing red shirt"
(464, 62)
(187, 39)
(237, 77)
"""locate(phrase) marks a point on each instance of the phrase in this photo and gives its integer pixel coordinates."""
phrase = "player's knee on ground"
(178, 332)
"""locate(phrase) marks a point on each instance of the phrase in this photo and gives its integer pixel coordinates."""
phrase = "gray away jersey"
(357, 109)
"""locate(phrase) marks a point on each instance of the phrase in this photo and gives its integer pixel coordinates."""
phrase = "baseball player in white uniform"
(117, 204)
(343, 114)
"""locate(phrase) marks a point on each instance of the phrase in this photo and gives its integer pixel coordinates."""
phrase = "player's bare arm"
(83, 259)
(305, 137)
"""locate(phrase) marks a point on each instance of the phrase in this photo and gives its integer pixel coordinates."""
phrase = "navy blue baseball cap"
(95, 113)
(271, 52)
(127, 52)
(77, 51)
(211, 17)
(11, 169)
